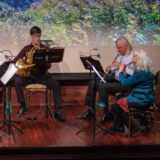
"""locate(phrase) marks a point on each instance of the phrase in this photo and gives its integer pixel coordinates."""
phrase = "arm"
(131, 80)
(21, 54)
(116, 64)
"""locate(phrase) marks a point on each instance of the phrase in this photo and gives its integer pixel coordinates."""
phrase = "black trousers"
(38, 77)
(120, 116)
(93, 86)
(105, 89)
(110, 88)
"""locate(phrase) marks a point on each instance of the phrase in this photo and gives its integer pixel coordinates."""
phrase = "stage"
(46, 139)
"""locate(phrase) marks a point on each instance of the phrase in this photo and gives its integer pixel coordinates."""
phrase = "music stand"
(5, 79)
(96, 63)
(93, 65)
(47, 55)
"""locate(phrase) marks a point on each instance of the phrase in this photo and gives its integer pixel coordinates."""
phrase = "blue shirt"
(142, 87)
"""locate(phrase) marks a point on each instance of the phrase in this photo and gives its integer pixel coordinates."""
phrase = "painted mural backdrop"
(81, 22)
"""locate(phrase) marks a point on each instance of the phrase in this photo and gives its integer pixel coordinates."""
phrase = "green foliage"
(157, 40)
(89, 22)
(103, 14)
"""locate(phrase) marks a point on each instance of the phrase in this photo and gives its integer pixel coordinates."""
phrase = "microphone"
(95, 55)
(46, 41)
(93, 49)
(7, 58)
(85, 54)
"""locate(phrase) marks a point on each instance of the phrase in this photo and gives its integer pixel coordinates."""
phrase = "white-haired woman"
(142, 93)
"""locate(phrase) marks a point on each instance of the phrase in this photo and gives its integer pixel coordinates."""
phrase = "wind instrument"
(24, 65)
(109, 75)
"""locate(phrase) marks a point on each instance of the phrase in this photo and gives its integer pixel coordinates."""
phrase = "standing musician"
(38, 74)
(112, 86)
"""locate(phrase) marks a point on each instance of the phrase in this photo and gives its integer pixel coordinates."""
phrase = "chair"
(36, 88)
(151, 111)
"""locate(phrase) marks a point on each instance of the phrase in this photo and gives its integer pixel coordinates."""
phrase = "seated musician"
(141, 95)
(37, 75)
(112, 86)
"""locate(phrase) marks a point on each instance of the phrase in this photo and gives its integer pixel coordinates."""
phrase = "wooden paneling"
(70, 95)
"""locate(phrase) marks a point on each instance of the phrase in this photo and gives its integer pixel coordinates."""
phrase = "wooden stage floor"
(46, 138)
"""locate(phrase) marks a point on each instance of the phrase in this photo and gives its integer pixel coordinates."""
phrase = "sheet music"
(9, 73)
(98, 74)
(95, 70)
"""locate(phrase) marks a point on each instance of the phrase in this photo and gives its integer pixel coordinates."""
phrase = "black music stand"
(95, 62)
(47, 55)
(93, 65)
(8, 122)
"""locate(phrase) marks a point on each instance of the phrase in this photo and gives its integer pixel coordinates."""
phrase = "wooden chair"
(151, 111)
(36, 88)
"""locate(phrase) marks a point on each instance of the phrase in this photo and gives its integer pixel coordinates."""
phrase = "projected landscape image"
(80, 22)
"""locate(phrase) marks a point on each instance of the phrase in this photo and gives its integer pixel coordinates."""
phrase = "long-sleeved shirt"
(37, 67)
(142, 87)
(123, 59)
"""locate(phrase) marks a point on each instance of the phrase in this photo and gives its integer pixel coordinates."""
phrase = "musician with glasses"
(37, 75)
(113, 85)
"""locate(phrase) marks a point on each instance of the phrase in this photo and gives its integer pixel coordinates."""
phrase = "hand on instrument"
(116, 64)
(122, 67)
(108, 68)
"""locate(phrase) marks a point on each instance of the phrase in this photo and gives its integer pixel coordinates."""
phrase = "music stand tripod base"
(93, 65)
(8, 122)
(39, 112)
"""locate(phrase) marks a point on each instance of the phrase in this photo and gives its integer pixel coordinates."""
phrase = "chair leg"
(129, 125)
(50, 97)
(28, 101)
(154, 124)
(27, 98)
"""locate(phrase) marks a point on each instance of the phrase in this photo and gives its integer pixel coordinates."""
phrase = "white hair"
(126, 43)
(143, 62)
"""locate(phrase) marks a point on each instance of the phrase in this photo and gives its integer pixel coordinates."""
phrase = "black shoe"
(115, 128)
(106, 118)
(85, 116)
(21, 112)
(59, 116)
(111, 128)
(137, 129)
(120, 128)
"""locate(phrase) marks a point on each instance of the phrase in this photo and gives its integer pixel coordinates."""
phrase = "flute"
(118, 68)
(128, 64)
(124, 72)
(109, 76)
(112, 64)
